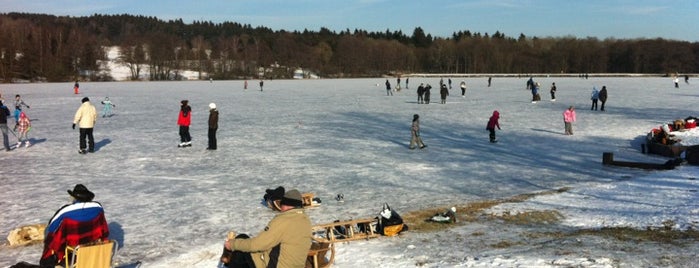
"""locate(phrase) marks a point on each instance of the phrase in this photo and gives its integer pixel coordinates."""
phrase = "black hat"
(81, 193)
(292, 198)
(86, 99)
(416, 116)
(184, 102)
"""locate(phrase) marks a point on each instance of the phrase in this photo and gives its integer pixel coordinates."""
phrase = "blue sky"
(621, 19)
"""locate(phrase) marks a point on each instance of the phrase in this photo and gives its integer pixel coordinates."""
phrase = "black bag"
(389, 222)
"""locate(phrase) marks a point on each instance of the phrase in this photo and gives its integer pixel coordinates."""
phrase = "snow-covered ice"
(171, 207)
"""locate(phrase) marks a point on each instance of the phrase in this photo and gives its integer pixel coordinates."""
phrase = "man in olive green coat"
(286, 239)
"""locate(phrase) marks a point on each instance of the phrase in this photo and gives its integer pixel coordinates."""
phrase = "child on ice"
(492, 123)
(23, 127)
(107, 110)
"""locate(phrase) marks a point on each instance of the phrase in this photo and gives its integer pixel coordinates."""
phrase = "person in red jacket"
(492, 124)
(183, 121)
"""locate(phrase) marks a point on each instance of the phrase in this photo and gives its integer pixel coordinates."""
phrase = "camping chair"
(317, 255)
(92, 255)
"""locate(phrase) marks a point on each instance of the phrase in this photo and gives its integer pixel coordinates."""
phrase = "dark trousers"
(492, 134)
(87, 132)
(184, 134)
(602, 107)
(594, 105)
(212, 138)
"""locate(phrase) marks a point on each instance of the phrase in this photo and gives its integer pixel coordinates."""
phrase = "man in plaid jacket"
(81, 222)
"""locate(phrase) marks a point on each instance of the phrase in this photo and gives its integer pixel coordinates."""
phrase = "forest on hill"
(41, 47)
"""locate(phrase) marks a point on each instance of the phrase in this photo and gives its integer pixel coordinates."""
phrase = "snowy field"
(171, 207)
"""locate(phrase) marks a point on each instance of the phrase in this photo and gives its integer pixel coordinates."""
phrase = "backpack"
(389, 222)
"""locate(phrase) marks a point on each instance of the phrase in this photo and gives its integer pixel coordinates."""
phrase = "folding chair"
(93, 255)
(318, 254)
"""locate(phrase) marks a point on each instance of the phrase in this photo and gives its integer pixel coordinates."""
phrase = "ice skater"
(603, 97)
(389, 91)
(4, 113)
(463, 88)
(443, 92)
(107, 110)
(493, 122)
(594, 97)
(23, 127)
(213, 126)
(18, 106)
(568, 119)
(415, 139)
(553, 91)
(183, 120)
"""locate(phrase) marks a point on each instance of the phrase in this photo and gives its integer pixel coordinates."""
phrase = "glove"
(73, 125)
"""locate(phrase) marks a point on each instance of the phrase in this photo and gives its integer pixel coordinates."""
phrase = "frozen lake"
(321, 136)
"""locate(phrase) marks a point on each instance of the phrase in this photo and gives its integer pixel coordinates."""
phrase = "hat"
(81, 193)
(184, 102)
(292, 198)
(416, 116)
(86, 99)
(212, 105)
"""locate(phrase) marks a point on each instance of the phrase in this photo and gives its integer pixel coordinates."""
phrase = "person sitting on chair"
(283, 243)
(78, 223)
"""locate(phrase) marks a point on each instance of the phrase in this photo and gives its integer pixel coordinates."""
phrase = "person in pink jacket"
(568, 119)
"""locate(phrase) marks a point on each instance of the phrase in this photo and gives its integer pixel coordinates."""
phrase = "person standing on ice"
(420, 92)
(568, 119)
(184, 120)
(594, 97)
(463, 88)
(493, 122)
(553, 91)
(262, 83)
(603, 97)
(23, 127)
(107, 110)
(444, 92)
(86, 116)
(415, 138)
(389, 91)
(426, 96)
(4, 113)
(213, 126)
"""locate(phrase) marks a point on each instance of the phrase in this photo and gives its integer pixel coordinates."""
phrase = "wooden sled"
(343, 231)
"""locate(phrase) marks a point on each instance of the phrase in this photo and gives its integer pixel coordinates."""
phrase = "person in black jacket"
(602, 96)
(4, 113)
(213, 126)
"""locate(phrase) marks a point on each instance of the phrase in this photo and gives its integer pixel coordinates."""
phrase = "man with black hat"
(78, 223)
(85, 117)
(284, 242)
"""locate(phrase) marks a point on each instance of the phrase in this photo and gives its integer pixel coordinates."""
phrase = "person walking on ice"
(568, 119)
(493, 122)
(415, 138)
(107, 110)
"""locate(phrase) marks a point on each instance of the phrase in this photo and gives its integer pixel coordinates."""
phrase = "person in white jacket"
(85, 118)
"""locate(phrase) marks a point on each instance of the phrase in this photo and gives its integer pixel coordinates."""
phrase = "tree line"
(40, 47)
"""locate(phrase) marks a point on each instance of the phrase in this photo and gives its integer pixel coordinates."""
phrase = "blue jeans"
(5, 141)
